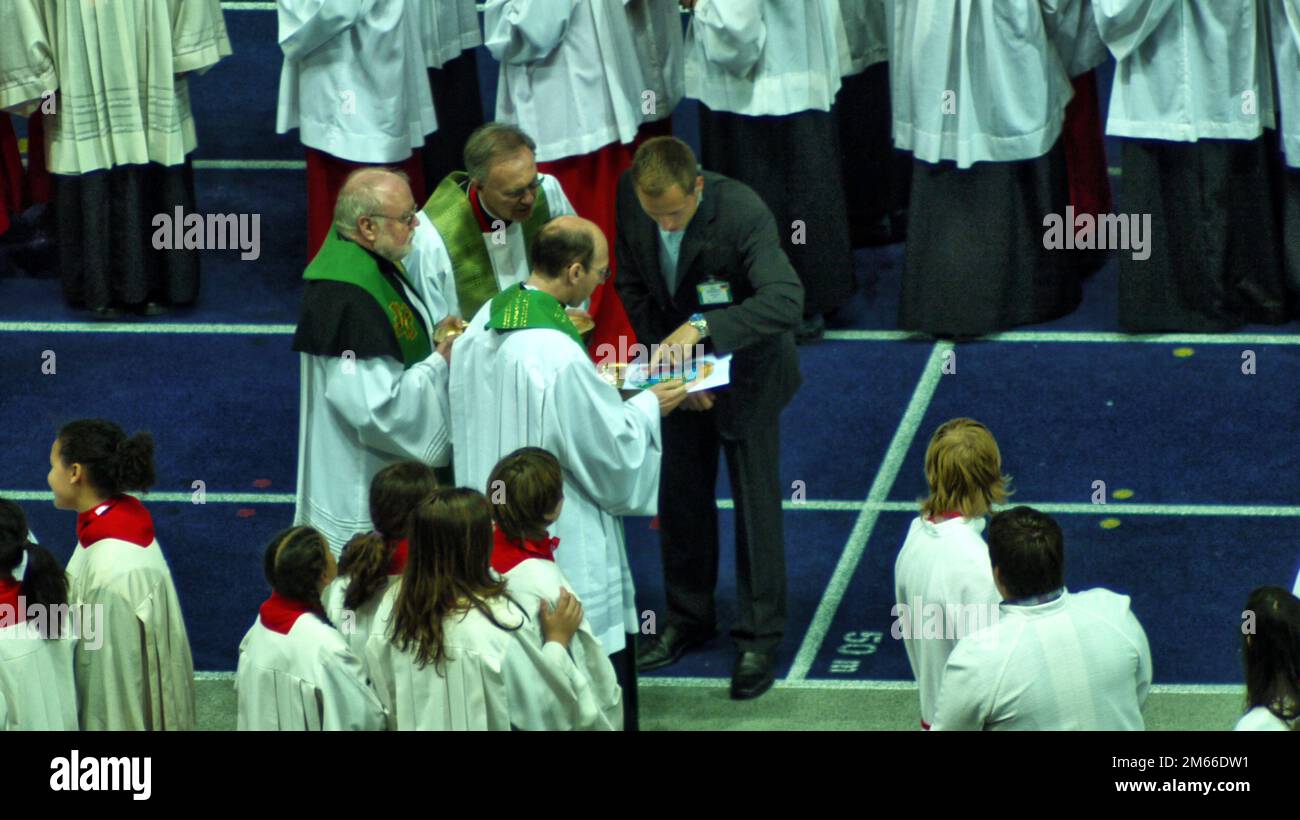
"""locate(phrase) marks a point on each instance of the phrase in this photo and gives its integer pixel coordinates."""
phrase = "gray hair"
(490, 143)
(359, 198)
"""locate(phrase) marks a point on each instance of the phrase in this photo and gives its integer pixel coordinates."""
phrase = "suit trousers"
(688, 526)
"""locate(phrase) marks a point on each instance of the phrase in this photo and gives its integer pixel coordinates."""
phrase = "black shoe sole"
(682, 649)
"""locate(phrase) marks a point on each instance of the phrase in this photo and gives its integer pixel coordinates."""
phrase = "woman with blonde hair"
(943, 582)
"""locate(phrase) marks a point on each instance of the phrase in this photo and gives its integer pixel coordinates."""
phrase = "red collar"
(947, 515)
(122, 517)
(9, 592)
(508, 553)
(485, 220)
(397, 564)
(279, 613)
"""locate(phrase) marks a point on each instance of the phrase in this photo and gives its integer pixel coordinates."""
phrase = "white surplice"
(867, 32)
(657, 30)
(537, 387)
(308, 679)
(354, 81)
(26, 56)
(142, 676)
(569, 73)
(37, 689)
(122, 97)
(1187, 69)
(940, 566)
(1260, 719)
(355, 625)
(535, 580)
(429, 263)
(356, 417)
(494, 678)
(975, 81)
(1078, 663)
(1284, 21)
(447, 27)
(760, 57)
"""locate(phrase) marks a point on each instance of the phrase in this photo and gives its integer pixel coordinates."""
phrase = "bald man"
(522, 378)
(374, 388)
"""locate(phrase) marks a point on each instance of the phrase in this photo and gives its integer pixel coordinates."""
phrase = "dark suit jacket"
(732, 237)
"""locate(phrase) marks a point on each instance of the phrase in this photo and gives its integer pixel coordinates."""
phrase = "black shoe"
(153, 309)
(810, 330)
(752, 675)
(107, 313)
(668, 648)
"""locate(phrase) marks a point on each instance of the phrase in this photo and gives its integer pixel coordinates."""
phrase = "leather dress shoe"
(667, 648)
(752, 675)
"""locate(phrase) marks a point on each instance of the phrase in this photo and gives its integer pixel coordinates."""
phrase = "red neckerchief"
(122, 517)
(397, 564)
(279, 613)
(946, 516)
(508, 553)
(10, 612)
(484, 218)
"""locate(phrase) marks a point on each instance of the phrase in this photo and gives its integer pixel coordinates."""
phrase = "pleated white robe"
(38, 691)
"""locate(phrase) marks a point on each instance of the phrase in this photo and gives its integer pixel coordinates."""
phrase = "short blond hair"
(963, 468)
(662, 162)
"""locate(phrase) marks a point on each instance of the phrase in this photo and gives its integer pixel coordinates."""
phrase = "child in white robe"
(373, 562)
(457, 651)
(37, 688)
(527, 493)
(1272, 658)
(133, 663)
(943, 583)
(296, 671)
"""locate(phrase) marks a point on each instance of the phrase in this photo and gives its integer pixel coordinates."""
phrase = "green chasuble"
(451, 213)
(340, 260)
(518, 308)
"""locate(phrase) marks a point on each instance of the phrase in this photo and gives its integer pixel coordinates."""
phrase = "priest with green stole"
(374, 387)
(471, 240)
(522, 378)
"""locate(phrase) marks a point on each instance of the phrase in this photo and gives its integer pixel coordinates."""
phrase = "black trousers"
(459, 108)
(688, 527)
(624, 662)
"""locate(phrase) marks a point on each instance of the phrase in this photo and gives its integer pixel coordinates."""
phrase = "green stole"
(450, 212)
(518, 309)
(340, 260)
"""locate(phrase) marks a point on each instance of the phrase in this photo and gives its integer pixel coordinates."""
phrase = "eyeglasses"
(407, 219)
(520, 193)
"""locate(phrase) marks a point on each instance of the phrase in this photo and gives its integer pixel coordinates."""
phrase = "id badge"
(714, 292)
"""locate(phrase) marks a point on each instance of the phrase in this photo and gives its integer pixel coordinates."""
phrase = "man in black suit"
(700, 261)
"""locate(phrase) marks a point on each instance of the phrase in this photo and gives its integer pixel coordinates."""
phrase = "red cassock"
(1085, 149)
(11, 174)
(325, 176)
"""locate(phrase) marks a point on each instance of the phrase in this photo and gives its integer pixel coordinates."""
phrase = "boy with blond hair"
(943, 582)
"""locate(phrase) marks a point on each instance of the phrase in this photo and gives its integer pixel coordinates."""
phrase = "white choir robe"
(26, 57)
(354, 81)
(1072, 28)
(1187, 69)
(429, 263)
(121, 104)
(142, 675)
(357, 417)
(657, 30)
(308, 679)
(447, 27)
(537, 387)
(865, 25)
(1284, 17)
(1078, 663)
(941, 565)
(38, 691)
(975, 81)
(761, 57)
(355, 625)
(569, 73)
(1260, 719)
(535, 580)
(493, 679)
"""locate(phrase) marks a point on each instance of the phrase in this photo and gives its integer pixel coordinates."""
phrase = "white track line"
(880, 487)
(250, 165)
(1080, 337)
(832, 684)
(146, 327)
(170, 498)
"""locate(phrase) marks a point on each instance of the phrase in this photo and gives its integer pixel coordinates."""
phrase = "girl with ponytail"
(116, 573)
(1271, 654)
(296, 671)
(37, 688)
(374, 561)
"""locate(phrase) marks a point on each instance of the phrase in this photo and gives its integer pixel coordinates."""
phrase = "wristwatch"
(697, 321)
